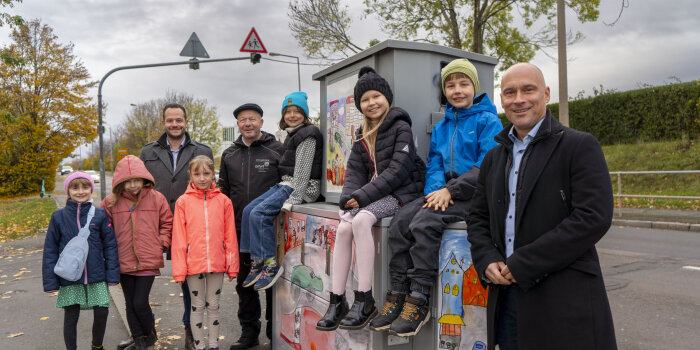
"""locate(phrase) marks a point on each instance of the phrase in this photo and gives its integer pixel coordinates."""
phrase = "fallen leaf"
(44, 318)
(173, 337)
(172, 294)
(158, 319)
(19, 273)
(3, 276)
(15, 335)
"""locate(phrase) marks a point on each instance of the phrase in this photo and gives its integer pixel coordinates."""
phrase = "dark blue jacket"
(458, 143)
(103, 258)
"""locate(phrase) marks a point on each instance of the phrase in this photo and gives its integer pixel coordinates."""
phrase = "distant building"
(230, 134)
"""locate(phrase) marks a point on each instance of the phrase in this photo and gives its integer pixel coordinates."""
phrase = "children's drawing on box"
(463, 299)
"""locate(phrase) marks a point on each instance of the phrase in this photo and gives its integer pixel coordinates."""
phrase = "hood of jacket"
(481, 104)
(131, 167)
(211, 192)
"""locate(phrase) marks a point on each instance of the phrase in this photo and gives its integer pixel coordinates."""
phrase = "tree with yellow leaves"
(45, 111)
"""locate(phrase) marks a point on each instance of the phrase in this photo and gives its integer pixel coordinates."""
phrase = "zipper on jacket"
(206, 230)
(563, 196)
(452, 142)
(77, 218)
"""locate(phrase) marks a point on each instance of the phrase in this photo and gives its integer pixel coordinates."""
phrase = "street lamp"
(298, 65)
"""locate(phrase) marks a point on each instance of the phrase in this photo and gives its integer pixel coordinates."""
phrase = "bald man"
(542, 201)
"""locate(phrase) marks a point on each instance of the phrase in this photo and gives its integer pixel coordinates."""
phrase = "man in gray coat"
(167, 160)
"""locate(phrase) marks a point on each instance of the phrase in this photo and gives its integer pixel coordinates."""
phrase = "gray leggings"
(205, 290)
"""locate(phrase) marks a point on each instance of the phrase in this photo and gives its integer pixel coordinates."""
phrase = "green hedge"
(668, 112)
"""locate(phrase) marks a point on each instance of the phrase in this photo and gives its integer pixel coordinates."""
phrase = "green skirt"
(87, 296)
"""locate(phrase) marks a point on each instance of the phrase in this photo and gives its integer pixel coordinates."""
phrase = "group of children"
(385, 177)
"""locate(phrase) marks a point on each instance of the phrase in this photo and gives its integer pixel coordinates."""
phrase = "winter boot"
(393, 304)
(361, 312)
(337, 309)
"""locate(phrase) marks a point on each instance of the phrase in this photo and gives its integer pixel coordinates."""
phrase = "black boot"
(337, 309)
(362, 311)
(152, 337)
(139, 344)
(125, 344)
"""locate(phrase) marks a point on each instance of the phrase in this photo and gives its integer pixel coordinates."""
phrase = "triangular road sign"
(253, 43)
(194, 48)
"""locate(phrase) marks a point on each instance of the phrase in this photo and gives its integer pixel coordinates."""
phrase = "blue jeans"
(258, 220)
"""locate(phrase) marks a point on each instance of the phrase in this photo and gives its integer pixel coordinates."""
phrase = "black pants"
(415, 235)
(249, 309)
(507, 322)
(139, 315)
(70, 325)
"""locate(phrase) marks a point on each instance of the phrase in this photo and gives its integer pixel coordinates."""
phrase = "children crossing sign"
(253, 43)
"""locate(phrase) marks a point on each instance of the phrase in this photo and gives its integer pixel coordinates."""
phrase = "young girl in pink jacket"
(142, 224)
(204, 247)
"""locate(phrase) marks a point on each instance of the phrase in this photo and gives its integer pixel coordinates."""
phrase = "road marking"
(692, 268)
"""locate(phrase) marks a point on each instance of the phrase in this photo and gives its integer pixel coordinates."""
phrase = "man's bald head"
(524, 96)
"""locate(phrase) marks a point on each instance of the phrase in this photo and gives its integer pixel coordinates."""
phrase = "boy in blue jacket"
(458, 144)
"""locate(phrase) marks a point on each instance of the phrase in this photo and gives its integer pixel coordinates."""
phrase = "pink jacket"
(204, 234)
(143, 224)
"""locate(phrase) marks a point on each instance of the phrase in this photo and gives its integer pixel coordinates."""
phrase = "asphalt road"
(652, 287)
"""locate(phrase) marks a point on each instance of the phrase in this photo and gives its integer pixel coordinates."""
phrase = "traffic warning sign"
(253, 43)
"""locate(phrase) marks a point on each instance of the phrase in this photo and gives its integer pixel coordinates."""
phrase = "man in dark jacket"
(542, 201)
(249, 169)
(167, 160)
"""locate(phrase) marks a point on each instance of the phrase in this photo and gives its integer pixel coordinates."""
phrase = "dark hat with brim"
(248, 107)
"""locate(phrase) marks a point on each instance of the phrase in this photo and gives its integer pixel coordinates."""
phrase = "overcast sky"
(653, 41)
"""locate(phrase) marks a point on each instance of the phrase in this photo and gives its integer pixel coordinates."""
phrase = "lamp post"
(298, 65)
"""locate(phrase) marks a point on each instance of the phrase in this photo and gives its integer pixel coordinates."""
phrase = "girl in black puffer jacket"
(384, 172)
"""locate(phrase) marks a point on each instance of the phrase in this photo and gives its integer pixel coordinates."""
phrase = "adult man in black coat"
(249, 169)
(543, 200)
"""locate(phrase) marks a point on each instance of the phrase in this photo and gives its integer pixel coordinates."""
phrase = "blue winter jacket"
(460, 141)
(103, 258)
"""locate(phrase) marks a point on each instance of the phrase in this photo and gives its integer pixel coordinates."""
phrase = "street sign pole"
(100, 128)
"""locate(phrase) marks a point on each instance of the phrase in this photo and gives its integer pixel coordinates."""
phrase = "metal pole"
(100, 128)
(298, 73)
(561, 44)
(619, 193)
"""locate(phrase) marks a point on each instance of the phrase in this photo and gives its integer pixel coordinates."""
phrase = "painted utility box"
(306, 236)
(413, 71)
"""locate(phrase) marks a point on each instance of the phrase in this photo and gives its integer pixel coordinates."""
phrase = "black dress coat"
(401, 172)
(564, 206)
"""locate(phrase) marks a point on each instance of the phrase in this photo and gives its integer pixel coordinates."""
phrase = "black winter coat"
(401, 172)
(103, 257)
(247, 172)
(564, 205)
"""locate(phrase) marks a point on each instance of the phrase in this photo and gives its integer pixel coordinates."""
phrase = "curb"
(661, 225)
(117, 296)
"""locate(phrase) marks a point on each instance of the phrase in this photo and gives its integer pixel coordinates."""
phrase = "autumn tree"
(510, 30)
(45, 111)
(143, 122)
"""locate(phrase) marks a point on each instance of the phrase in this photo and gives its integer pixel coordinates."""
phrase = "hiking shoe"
(254, 274)
(269, 275)
(393, 304)
(414, 315)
